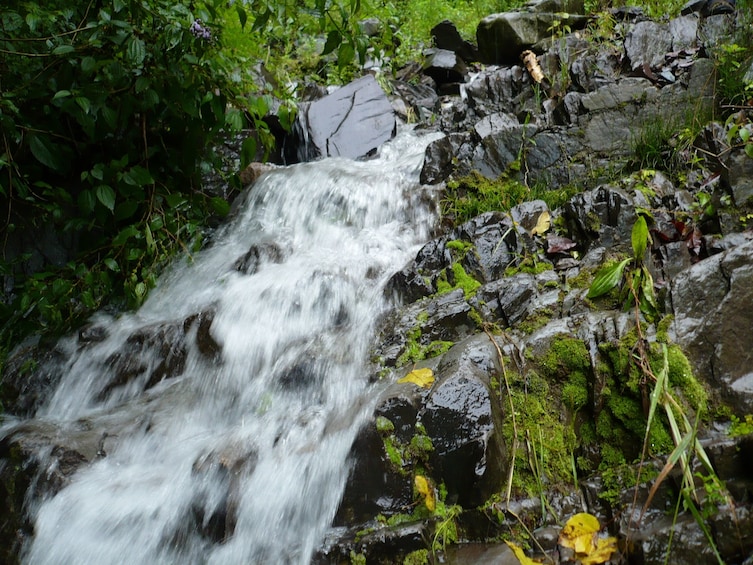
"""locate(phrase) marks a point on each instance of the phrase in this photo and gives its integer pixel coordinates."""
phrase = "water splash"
(242, 457)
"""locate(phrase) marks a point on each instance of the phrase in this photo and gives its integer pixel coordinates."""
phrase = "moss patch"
(456, 277)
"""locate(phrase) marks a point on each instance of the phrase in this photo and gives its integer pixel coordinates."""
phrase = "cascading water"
(242, 458)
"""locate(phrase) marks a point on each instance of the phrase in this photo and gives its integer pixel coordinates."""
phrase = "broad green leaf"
(150, 246)
(31, 20)
(520, 554)
(86, 201)
(334, 38)
(639, 238)
(242, 16)
(112, 264)
(61, 94)
(124, 235)
(221, 206)
(88, 64)
(110, 116)
(749, 150)
(63, 49)
(139, 176)
(606, 279)
(419, 377)
(248, 151)
(106, 195)
(744, 134)
(83, 103)
(345, 55)
(45, 152)
(142, 83)
(234, 119)
(136, 51)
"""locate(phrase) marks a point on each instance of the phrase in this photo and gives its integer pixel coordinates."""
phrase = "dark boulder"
(446, 36)
(503, 37)
(711, 302)
(444, 66)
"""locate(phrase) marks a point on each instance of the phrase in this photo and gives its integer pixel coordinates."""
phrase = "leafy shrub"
(105, 116)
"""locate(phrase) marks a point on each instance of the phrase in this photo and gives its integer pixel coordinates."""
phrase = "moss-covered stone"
(456, 277)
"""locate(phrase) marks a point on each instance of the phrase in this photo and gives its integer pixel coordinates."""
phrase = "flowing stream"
(243, 457)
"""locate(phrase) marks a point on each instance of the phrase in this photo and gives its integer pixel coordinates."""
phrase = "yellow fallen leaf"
(424, 488)
(579, 533)
(419, 377)
(605, 547)
(522, 557)
(542, 224)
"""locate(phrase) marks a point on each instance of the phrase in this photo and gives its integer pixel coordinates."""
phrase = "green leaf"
(110, 116)
(744, 134)
(112, 264)
(640, 238)
(221, 206)
(334, 38)
(61, 94)
(106, 195)
(45, 152)
(142, 83)
(234, 119)
(88, 64)
(749, 150)
(248, 151)
(83, 103)
(606, 279)
(86, 201)
(136, 51)
(138, 176)
(242, 16)
(124, 235)
(345, 55)
(63, 49)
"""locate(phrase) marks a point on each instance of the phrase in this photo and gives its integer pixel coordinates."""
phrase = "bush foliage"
(106, 111)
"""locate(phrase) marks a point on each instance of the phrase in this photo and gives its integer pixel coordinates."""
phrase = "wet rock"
(502, 37)
(446, 36)
(269, 252)
(444, 66)
(646, 44)
(605, 215)
(438, 162)
(463, 419)
(711, 304)
(351, 122)
(30, 373)
(740, 176)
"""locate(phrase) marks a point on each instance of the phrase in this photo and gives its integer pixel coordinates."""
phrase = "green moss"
(474, 194)
(384, 425)
(418, 557)
(680, 375)
(357, 558)
(662, 328)
(455, 278)
(575, 391)
(741, 427)
(565, 355)
(540, 426)
(530, 266)
(535, 320)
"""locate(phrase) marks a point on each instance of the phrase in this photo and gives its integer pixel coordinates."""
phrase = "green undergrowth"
(468, 196)
(576, 417)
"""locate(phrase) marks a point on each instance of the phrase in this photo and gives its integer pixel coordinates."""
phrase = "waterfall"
(243, 456)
